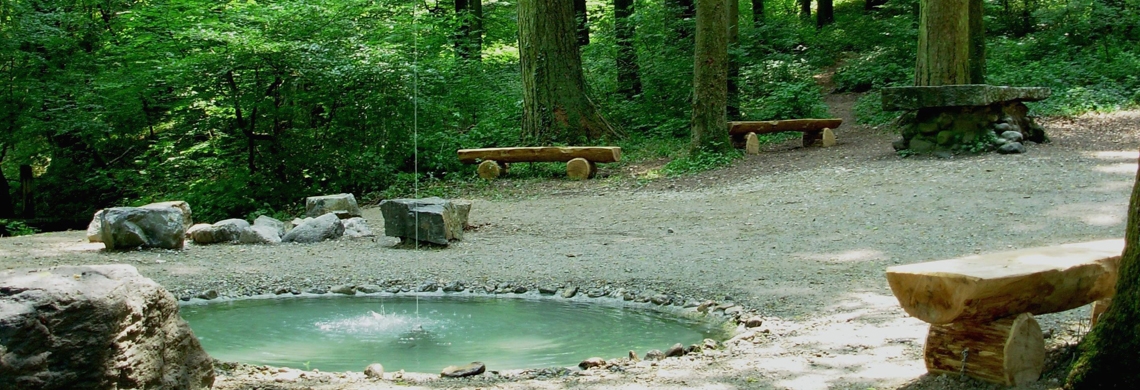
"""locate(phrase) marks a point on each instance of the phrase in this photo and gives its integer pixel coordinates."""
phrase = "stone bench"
(580, 160)
(964, 118)
(744, 133)
(981, 307)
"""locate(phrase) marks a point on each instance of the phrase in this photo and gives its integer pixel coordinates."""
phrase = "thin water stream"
(429, 333)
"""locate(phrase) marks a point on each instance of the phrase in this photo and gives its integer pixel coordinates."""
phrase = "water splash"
(374, 324)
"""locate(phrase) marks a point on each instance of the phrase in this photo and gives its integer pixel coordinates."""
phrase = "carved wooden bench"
(580, 160)
(981, 307)
(814, 130)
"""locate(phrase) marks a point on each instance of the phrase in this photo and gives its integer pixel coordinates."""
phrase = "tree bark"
(583, 20)
(977, 43)
(469, 37)
(943, 43)
(1108, 354)
(629, 81)
(710, 78)
(27, 189)
(555, 106)
(824, 13)
(733, 107)
(757, 12)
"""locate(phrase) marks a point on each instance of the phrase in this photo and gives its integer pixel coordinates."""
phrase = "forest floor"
(801, 236)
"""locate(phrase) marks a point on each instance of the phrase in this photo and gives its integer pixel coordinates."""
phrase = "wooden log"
(1098, 308)
(600, 154)
(751, 144)
(489, 169)
(580, 169)
(828, 138)
(1009, 351)
(764, 127)
(982, 288)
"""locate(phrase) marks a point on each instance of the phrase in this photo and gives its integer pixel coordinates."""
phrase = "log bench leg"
(1098, 308)
(1008, 351)
(490, 169)
(824, 137)
(751, 144)
(581, 169)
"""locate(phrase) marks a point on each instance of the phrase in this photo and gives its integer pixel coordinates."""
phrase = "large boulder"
(187, 218)
(325, 227)
(133, 227)
(95, 228)
(343, 205)
(95, 327)
(260, 234)
(272, 223)
(433, 220)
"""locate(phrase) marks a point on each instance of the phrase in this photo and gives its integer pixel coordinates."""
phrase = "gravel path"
(799, 236)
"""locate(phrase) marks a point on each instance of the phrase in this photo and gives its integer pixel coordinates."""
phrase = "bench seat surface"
(599, 154)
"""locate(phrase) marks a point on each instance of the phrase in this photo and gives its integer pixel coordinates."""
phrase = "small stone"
(345, 289)
(357, 227)
(316, 290)
(475, 368)
(1000, 141)
(654, 354)
(570, 292)
(519, 290)
(660, 299)
(676, 350)
(633, 356)
(899, 144)
(343, 205)
(692, 349)
(752, 322)
(453, 287)
(945, 137)
(427, 287)
(596, 293)
(1011, 148)
(943, 153)
(921, 146)
(368, 288)
(208, 294)
(591, 363)
(709, 344)
(282, 290)
(546, 290)
(705, 306)
(1012, 136)
(374, 371)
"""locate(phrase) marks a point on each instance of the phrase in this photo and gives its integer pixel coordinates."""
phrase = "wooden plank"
(598, 154)
(763, 127)
(982, 288)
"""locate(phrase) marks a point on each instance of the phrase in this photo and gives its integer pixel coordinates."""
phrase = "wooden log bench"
(981, 307)
(580, 160)
(744, 134)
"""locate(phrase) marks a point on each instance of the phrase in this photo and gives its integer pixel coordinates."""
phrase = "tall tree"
(710, 77)
(943, 43)
(757, 12)
(555, 105)
(469, 37)
(733, 108)
(805, 9)
(977, 42)
(824, 13)
(1108, 354)
(582, 17)
(629, 81)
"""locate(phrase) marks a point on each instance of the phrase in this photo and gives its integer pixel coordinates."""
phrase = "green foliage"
(869, 110)
(780, 88)
(700, 161)
(13, 228)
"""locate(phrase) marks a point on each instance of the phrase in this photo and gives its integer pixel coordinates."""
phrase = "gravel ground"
(798, 236)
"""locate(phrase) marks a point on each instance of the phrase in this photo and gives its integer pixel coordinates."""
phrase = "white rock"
(95, 228)
(357, 227)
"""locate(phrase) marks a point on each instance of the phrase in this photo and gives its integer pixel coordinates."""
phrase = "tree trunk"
(683, 10)
(629, 82)
(757, 12)
(469, 37)
(6, 209)
(824, 13)
(583, 22)
(977, 43)
(1108, 354)
(943, 43)
(555, 105)
(733, 108)
(805, 9)
(710, 77)
(27, 189)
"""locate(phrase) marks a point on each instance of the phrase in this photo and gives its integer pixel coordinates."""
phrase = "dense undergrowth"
(244, 108)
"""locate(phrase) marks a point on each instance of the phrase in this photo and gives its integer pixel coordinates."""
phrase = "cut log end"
(581, 169)
(1008, 351)
(489, 169)
(828, 138)
(752, 144)
(1098, 308)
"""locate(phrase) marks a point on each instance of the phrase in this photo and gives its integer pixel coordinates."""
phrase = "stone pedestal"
(433, 220)
(970, 118)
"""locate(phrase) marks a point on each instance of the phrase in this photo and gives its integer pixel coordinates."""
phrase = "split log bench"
(580, 160)
(980, 308)
(814, 130)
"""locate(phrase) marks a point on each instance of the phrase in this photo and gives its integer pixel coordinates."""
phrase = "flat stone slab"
(913, 98)
(433, 220)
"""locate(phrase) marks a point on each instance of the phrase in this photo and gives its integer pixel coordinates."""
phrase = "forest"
(245, 107)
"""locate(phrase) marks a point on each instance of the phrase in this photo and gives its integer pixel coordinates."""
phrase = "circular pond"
(429, 333)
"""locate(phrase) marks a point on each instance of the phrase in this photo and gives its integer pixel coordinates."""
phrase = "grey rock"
(475, 368)
(914, 98)
(282, 290)
(1012, 148)
(676, 350)
(1002, 128)
(260, 234)
(343, 289)
(660, 299)
(733, 310)
(454, 287)
(1000, 141)
(705, 306)
(519, 290)
(633, 356)
(570, 292)
(187, 217)
(433, 220)
(271, 222)
(547, 290)
(133, 227)
(208, 294)
(1012, 136)
(427, 287)
(95, 327)
(95, 228)
(357, 227)
(709, 344)
(753, 322)
(596, 293)
(201, 233)
(592, 363)
(325, 227)
(921, 146)
(316, 290)
(374, 371)
(368, 289)
(691, 349)
(899, 145)
(343, 205)
(227, 230)
(654, 354)
(942, 153)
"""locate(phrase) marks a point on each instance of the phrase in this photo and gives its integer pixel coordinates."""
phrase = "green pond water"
(348, 333)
